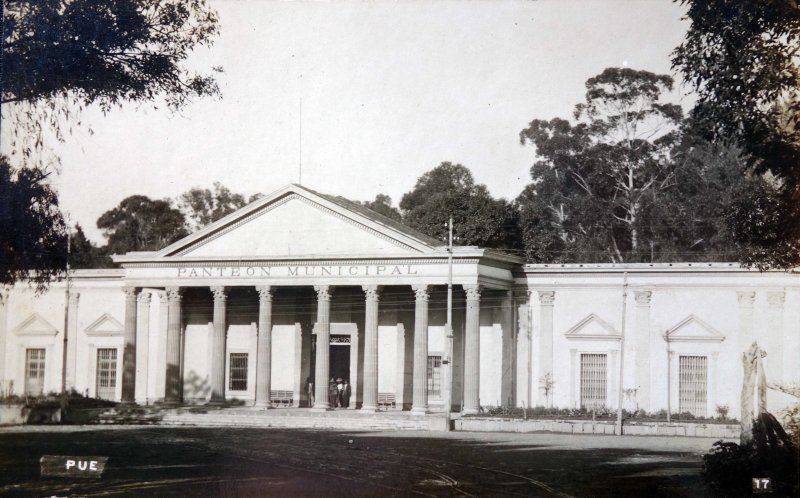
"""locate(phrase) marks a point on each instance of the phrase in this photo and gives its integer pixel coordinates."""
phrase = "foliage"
(202, 206)
(730, 467)
(741, 58)
(450, 190)
(142, 224)
(33, 245)
(383, 205)
(600, 413)
(628, 181)
(85, 254)
(61, 55)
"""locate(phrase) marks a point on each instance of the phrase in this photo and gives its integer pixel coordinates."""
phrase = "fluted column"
(172, 377)
(546, 299)
(264, 358)
(129, 353)
(143, 345)
(323, 347)
(472, 350)
(72, 340)
(642, 351)
(218, 346)
(370, 403)
(420, 380)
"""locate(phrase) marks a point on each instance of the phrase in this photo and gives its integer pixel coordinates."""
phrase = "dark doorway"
(340, 361)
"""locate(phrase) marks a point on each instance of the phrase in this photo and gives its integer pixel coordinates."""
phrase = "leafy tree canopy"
(450, 190)
(383, 205)
(743, 60)
(142, 224)
(84, 253)
(599, 181)
(202, 206)
(33, 244)
(60, 55)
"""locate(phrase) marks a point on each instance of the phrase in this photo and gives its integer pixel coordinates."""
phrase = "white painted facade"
(274, 260)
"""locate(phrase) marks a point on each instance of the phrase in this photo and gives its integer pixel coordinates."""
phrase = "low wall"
(21, 414)
(632, 428)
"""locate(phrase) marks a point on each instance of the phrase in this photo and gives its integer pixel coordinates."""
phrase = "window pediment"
(106, 325)
(593, 328)
(693, 329)
(35, 325)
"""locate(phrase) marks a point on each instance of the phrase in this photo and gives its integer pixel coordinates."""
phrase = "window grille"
(594, 373)
(435, 377)
(693, 382)
(34, 371)
(238, 372)
(106, 373)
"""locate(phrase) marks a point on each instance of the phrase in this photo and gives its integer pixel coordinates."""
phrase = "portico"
(276, 293)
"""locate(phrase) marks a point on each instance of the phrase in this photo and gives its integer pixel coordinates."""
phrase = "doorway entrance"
(340, 357)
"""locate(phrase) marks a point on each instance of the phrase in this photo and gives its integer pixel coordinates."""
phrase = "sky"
(389, 90)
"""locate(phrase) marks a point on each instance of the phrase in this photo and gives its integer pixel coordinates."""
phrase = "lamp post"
(448, 359)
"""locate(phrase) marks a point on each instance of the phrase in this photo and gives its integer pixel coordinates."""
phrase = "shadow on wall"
(196, 387)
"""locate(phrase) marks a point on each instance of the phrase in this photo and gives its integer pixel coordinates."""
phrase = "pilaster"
(774, 335)
(546, 299)
(642, 345)
(524, 347)
(72, 339)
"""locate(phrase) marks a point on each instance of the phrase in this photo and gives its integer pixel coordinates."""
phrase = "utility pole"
(66, 331)
(622, 352)
(448, 360)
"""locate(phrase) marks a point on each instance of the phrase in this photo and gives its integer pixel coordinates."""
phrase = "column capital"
(776, 298)
(220, 293)
(473, 291)
(421, 292)
(643, 297)
(746, 298)
(4, 292)
(264, 293)
(75, 296)
(173, 294)
(130, 292)
(162, 297)
(546, 298)
(144, 298)
(323, 292)
(371, 292)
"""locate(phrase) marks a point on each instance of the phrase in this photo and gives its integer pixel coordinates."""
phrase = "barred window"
(34, 371)
(106, 373)
(693, 382)
(434, 377)
(238, 372)
(594, 373)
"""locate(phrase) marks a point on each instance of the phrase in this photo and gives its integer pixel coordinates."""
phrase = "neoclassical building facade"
(299, 288)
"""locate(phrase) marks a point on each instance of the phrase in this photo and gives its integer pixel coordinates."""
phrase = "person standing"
(346, 394)
(339, 389)
(333, 393)
(310, 391)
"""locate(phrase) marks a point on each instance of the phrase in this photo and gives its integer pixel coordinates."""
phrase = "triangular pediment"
(692, 328)
(298, 222)
(35, 325)
(106, 325)
(593, 328)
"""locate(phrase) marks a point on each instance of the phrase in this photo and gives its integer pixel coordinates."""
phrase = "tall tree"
(743, 60)
(450, 190)
(33, 235)
(84, 253)
(61, 55)
(142, 224)
(597, 178)
(202, 206)
(383, 205)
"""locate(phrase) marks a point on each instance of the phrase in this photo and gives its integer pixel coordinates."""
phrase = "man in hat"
(346, 394)
(333, 393)
(339, 389)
